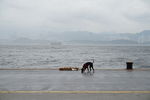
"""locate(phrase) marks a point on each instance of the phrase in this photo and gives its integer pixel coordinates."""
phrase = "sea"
(68, 55)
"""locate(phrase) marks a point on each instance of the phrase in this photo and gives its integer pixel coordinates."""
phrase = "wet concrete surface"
(74, 97)
(55, 80)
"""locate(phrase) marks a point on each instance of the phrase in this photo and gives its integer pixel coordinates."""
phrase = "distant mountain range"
(108, 38)
(85, 37)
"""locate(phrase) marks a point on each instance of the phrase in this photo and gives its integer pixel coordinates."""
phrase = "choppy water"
(48, 56)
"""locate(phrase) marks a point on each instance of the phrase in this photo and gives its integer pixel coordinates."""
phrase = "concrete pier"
(62, 96)
(114, 84)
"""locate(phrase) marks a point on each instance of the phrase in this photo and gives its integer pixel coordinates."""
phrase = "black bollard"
(129, 65)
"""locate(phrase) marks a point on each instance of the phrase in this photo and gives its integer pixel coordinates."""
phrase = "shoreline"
(111, 69)
(76, 92)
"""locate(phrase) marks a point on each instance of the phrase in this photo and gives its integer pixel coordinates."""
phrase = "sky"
(32, 17)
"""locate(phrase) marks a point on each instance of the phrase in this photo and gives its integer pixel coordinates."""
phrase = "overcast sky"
(39, 16)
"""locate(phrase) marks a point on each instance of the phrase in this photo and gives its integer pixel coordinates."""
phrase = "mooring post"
(129, 65)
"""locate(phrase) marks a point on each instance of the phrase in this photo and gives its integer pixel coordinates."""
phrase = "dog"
(88, 66)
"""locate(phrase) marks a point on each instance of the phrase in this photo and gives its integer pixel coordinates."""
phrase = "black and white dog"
(88, 66)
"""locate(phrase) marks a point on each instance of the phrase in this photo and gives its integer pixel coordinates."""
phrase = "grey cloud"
(37, 16)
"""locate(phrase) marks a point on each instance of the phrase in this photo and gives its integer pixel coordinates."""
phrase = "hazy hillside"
(85, 37)
(144, 36)
(108, 38)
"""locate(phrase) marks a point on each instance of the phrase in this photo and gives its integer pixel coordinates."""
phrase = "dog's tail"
(92, 60)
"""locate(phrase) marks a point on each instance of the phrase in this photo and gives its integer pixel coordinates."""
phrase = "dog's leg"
(88, 68)
(91, 67)
(82, 70)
